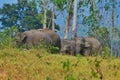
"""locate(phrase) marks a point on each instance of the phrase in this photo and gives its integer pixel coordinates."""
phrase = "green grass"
(37, 64)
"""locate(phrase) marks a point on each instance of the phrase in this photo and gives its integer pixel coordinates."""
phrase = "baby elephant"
(68, 47)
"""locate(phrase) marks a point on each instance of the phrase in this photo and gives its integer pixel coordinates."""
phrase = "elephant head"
(65, 49)
(68, 47)
(79, 44)
(20, 38)
(87, 45)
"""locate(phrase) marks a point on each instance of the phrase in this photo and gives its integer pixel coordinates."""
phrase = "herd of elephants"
(86, 46)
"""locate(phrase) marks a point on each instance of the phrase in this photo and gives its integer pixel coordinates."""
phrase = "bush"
(7, 37)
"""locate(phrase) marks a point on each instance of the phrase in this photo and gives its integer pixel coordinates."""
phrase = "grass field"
(36, 64)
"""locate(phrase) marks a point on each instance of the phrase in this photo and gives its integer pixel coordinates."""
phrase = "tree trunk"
(111, 30)
(45, 12)
(53, 20)
(74, 19)
(66, 31)
(67, 27)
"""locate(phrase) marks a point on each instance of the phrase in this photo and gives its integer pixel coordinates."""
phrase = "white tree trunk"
(111, 30)
(45, 12)
(53, 20)
(74, 19)
(66, 31)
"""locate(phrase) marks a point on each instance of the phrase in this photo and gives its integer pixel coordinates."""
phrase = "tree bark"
(66, 31)
(45, 12)
(53, 20)
(74, 19)
(112, 27)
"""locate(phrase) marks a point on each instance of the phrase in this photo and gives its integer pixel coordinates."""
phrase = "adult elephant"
(68, 47)
(87, 46)
(56, 41)
(32, 38)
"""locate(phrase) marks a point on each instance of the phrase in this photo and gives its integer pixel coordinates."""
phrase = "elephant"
(68, 47)
(32, 38)
(87, 45)
(56, 41)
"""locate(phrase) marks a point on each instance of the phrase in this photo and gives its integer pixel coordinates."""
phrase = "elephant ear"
(87, 44)
(23, 37)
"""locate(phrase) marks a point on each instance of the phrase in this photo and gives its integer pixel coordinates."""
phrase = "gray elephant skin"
(56, 41)
(68, 47)
(32, 38)
(87, 46)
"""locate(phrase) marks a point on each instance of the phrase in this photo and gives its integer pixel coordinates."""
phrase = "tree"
(68, 18)
(47, 13)
(9, 16)
(65, 6)
(74, 19)
(24, 13)
(53, 16)
(112, 27)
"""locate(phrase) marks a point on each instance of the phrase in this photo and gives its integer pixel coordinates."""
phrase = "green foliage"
(46, 4)
(96, 19)
(69, 77)
(60, 3)
(79, 56)
(6, 37)
(94, 74)
(49, 20)
(47, 78)
(107, 6)
(29, 15)
(103, 35)
(66, 65)
(53, 49)
(105, 52)
(24, 13)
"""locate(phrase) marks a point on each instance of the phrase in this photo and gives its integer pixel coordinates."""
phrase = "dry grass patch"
(36, 64)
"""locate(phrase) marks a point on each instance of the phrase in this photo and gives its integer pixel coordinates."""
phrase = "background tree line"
(98, 18)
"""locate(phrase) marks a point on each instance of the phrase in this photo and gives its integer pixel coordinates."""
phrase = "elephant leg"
(28, 44)
(72, 51)
(87, 52)
(78, 50)
(62, 53)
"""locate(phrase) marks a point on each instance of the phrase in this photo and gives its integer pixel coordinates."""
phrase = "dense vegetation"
(95, 17)
(37, 64)
(98, 18)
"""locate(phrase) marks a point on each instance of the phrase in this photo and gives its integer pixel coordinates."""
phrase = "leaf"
(107, 6)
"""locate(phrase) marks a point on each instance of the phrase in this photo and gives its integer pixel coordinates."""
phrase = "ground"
(34, 64)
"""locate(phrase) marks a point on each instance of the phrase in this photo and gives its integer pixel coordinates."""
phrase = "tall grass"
(39, 64)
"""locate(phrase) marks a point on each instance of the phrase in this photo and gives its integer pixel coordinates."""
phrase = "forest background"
(98, 18)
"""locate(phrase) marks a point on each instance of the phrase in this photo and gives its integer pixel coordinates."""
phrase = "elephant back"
(65, 41)
(38, 36)
(91, 40)
(56, 41)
